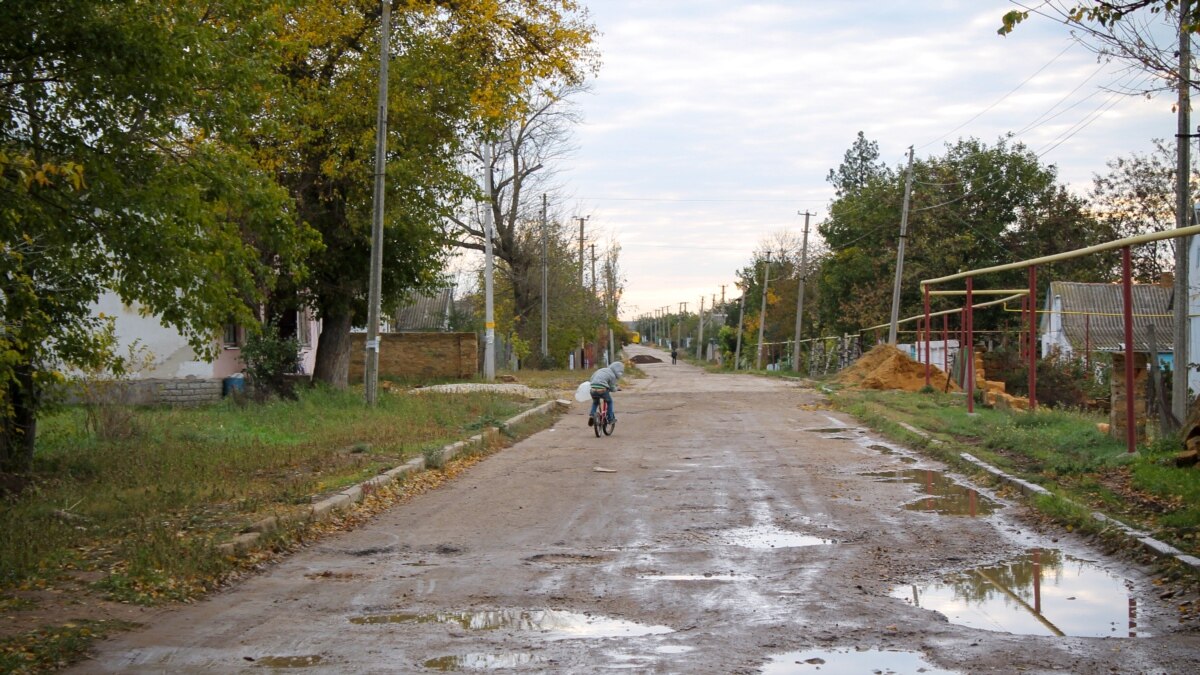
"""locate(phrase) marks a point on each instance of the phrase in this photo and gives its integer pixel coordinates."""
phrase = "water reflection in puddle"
(1043, 593)
(556, 624)
(770, 536)
(693, 577)
(944, 496)
(850, 661)
(288, 661)
(482, 661)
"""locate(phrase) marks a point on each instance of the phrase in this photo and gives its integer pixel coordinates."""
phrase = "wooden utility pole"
(800, 294)
(900, 251)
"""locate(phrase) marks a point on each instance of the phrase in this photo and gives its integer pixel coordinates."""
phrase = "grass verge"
(138, 520)
(1062, 451)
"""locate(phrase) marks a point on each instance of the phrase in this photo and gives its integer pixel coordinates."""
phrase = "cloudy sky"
(712, 124)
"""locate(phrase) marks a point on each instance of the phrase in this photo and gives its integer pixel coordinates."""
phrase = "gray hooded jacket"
(607, 377)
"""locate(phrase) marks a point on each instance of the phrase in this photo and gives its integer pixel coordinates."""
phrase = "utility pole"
(666, 312)
(723, 294)
(582, 281)
(375, 288)
(800, 294)
(489, 318)
(682, 314)
(700, 333)
(762, 316)
(545, 285)
(594, 291)
(737, 352)
(1182, 291)
(900, 252)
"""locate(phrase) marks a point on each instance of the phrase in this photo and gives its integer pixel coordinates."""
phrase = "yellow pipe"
(1068, 255)
(997, 291)
(948, 311)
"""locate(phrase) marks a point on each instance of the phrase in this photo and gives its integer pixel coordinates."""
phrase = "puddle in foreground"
(945, 497)
(770, 536)
(288, 661)
(850, 661)
(694, 577)
(482, 661)
(555, 624)
(1043, 593)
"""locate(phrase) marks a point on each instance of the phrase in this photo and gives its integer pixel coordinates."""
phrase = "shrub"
(269, 360)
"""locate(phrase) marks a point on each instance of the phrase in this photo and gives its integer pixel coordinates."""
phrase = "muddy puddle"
(482, 661)
(1045, 592)
(943, 495)
(769, 537)
(851, 662)
(551, 623)
(288, 661)
(695, 577)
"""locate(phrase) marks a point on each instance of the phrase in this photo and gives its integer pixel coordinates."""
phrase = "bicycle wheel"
(598, 419)
(609, 426)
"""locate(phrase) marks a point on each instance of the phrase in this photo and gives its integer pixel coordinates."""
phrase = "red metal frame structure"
(1127, 283)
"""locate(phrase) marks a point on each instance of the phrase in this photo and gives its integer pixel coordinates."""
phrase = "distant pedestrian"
(674, 354)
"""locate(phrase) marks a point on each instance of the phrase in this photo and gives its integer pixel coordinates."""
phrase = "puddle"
(482, 661)
(881, 448)
(1043, 593)
(944, 496)
(556, 624)
(828, 430)
(770, 536)
(674, 649)
(693, 577)
(851, 661)
(565, 559)
(288, 661)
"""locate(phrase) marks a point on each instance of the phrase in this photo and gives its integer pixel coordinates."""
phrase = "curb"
(326, 508)
(1149, 543)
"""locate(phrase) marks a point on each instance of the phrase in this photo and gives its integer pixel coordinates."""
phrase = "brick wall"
(1116, 414)
(187, 391)
(418, 355)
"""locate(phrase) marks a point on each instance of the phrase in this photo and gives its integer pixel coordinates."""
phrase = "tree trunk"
(18, 428)
(333, 350)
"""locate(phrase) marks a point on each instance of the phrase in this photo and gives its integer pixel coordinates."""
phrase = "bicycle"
(600, 420)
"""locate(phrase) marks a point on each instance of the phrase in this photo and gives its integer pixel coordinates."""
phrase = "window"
(230, 338)
(303, 329)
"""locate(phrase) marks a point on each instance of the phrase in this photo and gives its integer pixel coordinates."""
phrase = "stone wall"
(418, 355)
(184, 391)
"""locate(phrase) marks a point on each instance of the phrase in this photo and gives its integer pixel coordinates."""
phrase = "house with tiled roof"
(1081, 317)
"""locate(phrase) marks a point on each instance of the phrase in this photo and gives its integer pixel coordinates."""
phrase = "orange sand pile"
(886, 367)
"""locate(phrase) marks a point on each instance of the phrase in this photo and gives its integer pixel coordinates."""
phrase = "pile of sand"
(645, 358)
(886, 367)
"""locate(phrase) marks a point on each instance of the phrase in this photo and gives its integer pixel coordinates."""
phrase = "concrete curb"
(1147, 542)
(326, 508)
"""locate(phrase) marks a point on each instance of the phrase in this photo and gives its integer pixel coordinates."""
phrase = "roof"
(425, 312)
(1094, 313)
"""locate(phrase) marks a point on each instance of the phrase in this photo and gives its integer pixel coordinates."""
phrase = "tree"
(1126, 31)
(460, 66)
(521, 157)
(860, 165)
(1137, 196)
(975, 206)
(122, 169)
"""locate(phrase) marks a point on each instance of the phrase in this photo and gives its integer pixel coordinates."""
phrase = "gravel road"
(731, 524)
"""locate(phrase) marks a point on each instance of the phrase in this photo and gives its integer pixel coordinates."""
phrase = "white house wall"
(172, 356)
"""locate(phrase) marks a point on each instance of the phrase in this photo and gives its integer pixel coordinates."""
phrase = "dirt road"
(727, 526)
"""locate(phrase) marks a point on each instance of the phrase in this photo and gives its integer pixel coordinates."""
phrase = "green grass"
(51, 648)
(147, 512)
(1059, 449)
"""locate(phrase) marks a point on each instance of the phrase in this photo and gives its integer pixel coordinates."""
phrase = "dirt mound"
(886, 367)
(645, 358)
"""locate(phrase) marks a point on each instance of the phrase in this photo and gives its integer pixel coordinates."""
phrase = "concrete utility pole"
(803, 271)
(375, 288)
(1179, 385)
(762, 316)
(582, 280)
(682, 314)
(594, 289)
(666, 312)
(737, 352)
(545, 285)
(700, 333)
(489, 319)
(900, 251)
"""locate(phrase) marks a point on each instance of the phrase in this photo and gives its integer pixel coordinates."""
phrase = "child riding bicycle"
(604, 382)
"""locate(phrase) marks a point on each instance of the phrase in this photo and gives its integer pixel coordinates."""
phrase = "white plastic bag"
(584, 392)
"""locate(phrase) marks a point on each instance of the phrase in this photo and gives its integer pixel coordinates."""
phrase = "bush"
(269, 360)
(1061, 382)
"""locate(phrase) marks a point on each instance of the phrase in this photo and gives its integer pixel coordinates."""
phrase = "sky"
(712, 124)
